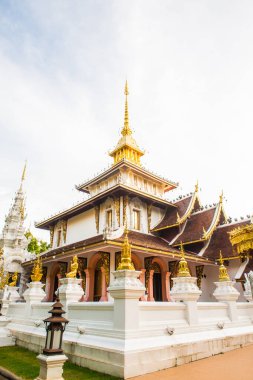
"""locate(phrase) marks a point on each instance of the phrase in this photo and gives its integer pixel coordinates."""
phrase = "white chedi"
(184, 286)
(12, 240)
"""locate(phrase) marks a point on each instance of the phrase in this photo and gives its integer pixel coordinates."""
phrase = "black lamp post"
(55, 327)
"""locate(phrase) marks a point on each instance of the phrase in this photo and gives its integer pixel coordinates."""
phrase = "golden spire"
(197, 186)
(126, 261)
(127, 148)
(183, 270)
(126, 131)
(223, 274)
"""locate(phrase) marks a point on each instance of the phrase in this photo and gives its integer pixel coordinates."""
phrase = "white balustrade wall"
(163, 336)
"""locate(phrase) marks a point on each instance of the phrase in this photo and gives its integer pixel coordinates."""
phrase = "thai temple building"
(145, 283)
(129, 194)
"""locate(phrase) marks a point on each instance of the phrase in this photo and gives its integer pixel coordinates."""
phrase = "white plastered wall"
(157, 215)
(81, 227)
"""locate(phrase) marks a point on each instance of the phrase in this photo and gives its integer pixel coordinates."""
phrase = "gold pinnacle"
(197, 186)
(183, 270)
(126, 260)
(223, 274)
(126, 129)
(126, 89)
(221, 197)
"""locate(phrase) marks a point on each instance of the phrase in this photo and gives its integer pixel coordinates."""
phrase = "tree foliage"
(35, 245)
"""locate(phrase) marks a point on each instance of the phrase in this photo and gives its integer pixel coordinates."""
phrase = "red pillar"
(104, 286)
(150, 286)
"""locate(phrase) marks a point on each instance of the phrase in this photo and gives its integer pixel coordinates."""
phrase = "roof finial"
(197, 186)
(221, 197)
(126, 129)
(24, 172)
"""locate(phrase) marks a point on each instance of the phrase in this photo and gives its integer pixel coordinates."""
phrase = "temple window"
(137, 219)
(58, 238)
(109, 218)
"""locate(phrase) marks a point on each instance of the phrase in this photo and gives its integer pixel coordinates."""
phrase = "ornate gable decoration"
(242, 238)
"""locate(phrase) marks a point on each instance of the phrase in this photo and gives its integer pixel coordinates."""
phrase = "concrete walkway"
(233, 365)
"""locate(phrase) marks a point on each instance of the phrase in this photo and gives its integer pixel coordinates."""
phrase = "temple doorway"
(98, 281)
(157, 283)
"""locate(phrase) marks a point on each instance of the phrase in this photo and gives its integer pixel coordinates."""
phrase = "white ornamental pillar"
(70, 290)
(225, 291)
(126, 290)
(34, 293)
(13, 294)
(185, 289)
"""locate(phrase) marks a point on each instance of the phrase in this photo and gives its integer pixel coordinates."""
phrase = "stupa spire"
(127, 148)
(126, 129)
(23, 175)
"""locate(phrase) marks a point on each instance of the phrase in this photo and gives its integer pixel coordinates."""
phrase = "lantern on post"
(55, 327)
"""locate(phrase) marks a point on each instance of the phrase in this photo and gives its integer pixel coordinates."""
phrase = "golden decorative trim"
(149, 212)
(125, 204)
(183, 218)
(51, 229)
(117, 209)
(118, 244)
(97, 211)
(64, 230)
(242, 238)
(190, 208)
(207, 234)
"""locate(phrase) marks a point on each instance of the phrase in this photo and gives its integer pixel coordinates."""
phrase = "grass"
(23, 363)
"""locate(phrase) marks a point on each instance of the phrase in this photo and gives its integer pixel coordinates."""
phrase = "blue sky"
(63, 65)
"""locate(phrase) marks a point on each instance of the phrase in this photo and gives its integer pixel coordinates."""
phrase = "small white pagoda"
(13, 243)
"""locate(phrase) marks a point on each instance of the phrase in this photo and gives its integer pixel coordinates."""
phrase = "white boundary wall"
(91, 340)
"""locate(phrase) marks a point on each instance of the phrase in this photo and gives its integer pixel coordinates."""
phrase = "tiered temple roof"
(202, 231)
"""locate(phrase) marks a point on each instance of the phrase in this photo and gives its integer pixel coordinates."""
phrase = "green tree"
(35, 245)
